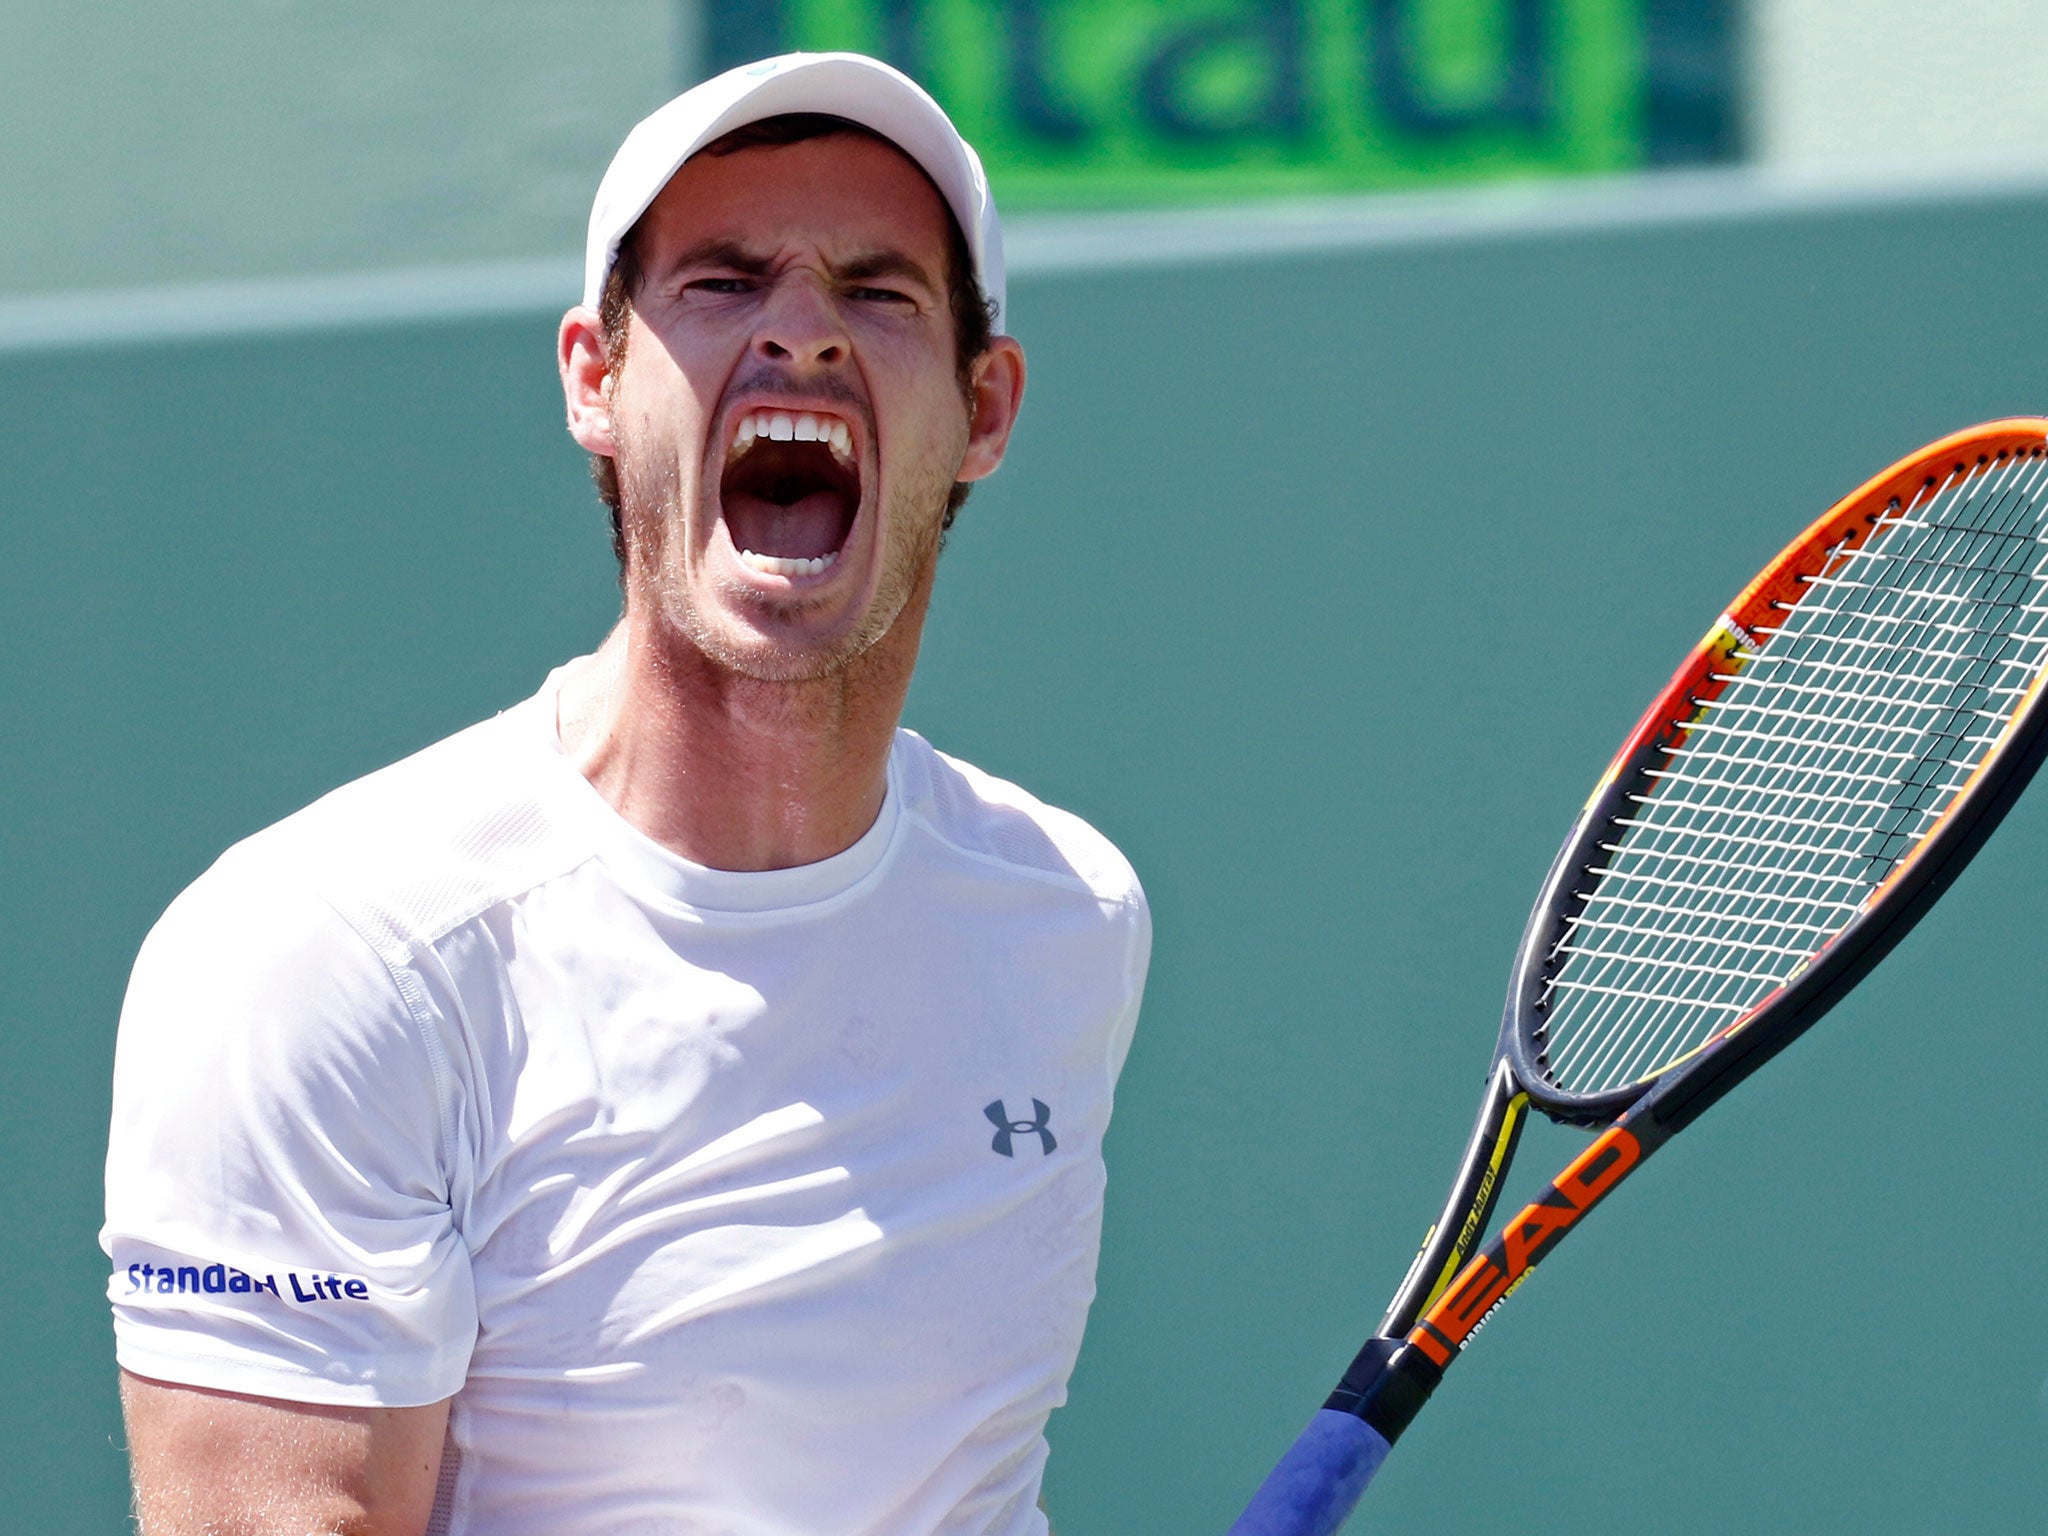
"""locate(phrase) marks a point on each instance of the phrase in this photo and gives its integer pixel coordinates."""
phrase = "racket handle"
(1319, 1480)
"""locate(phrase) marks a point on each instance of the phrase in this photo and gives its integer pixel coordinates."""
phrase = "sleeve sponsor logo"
(222, 1279)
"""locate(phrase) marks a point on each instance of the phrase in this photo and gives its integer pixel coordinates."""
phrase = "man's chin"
(783, 664)
(775, 648)
(780, 637)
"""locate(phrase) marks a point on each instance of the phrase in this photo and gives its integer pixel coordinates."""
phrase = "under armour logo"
(999, 1117)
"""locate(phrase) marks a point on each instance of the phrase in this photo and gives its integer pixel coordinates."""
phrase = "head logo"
(1006, 1128)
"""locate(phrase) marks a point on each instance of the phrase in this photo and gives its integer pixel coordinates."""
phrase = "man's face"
(788, 418)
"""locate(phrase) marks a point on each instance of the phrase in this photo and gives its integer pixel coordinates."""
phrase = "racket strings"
(1725, 989)
(1837, 741)
(1829, 740)
(1725, 969)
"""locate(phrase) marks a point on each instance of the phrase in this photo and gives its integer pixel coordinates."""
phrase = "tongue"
(807, 528)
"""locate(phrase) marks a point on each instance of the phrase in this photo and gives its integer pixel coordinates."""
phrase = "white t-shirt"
(763, 1204)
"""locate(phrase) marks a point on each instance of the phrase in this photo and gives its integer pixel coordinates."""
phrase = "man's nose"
(800, 324)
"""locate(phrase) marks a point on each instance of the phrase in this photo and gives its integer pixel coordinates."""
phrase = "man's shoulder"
(414, 849)
(991, 819)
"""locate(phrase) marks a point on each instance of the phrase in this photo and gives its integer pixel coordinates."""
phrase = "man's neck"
(732, 772)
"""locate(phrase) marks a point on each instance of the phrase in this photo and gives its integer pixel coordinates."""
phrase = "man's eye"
(719, 285)
(879, 295)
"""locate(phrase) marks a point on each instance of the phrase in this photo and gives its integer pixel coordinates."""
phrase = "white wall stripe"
(1039, 246)
(280, 305)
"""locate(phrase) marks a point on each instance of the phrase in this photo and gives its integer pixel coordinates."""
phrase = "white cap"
(848, 85)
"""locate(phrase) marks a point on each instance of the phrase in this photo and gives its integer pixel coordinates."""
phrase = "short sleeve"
(278, 1194)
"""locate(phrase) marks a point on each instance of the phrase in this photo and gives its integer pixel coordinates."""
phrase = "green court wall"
(1324, 584)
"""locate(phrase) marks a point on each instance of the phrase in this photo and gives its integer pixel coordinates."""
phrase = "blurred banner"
(1080, 102)
(220, 141)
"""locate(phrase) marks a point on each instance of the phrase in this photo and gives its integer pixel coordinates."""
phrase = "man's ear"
(580, 357)
(996, 394)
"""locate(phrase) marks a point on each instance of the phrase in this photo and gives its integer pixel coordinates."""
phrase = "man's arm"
(223, 1464)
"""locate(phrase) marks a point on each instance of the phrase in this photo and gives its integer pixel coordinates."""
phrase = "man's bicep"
(209, 1463)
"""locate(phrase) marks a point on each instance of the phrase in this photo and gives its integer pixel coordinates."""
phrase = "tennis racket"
(1819, 769)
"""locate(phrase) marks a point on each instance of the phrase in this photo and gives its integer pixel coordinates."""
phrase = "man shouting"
(676, 1104)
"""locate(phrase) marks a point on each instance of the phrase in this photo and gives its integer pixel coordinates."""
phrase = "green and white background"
(1593, 321)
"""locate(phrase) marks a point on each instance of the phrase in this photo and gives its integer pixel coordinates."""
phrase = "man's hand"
(223, 1464)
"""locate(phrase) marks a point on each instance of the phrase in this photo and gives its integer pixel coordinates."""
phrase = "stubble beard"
(652, 515)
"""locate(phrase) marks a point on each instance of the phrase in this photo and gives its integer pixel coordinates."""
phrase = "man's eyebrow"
(884, 264)
(721, 251)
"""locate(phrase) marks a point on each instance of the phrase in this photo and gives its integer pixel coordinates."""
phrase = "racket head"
(1822, 763)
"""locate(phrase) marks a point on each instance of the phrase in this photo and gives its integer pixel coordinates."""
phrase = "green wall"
(1285, 549)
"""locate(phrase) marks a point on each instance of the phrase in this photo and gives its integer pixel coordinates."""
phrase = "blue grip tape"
(1318, 1481)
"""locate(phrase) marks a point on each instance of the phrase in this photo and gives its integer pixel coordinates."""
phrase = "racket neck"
(1393, 1376)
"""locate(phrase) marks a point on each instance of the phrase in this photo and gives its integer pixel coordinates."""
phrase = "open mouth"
(790, 490)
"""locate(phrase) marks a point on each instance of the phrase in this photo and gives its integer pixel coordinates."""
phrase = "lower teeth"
(781, 565)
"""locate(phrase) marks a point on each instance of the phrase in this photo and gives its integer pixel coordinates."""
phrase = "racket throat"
(1461, 1226)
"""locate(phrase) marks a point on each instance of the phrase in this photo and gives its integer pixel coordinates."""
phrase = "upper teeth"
(793, 426)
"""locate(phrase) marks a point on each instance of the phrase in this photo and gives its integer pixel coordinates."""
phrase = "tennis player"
(675, 1104)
